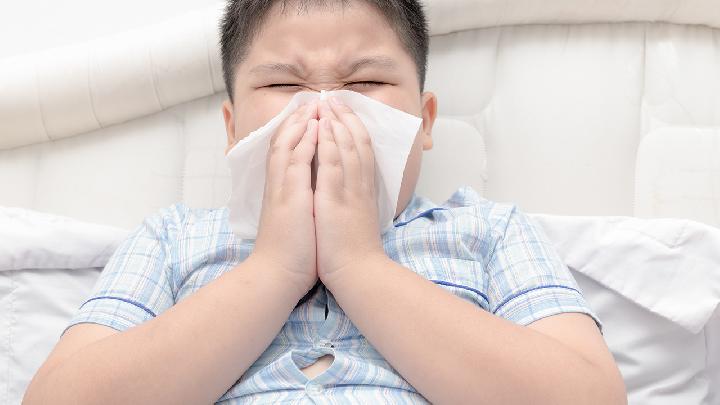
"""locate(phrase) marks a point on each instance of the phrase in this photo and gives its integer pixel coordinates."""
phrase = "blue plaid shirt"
(487, 253)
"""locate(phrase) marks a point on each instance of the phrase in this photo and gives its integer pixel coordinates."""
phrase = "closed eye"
(283, 85)
(367, 83)
(362, 84)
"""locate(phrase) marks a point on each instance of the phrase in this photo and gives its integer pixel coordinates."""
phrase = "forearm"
(191, 353)
(452, 351)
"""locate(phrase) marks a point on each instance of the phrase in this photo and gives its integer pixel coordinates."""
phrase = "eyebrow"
(382, 62)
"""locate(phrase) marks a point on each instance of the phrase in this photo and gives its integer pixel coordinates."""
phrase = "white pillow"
(48, 266)
(34, 240)
(655, 284)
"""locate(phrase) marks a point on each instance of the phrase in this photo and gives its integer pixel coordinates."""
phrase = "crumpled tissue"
(392, 132)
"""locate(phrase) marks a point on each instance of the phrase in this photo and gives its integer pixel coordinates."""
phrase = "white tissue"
(392, 132)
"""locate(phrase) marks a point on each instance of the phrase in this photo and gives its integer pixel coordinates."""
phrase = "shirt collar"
(417, 207)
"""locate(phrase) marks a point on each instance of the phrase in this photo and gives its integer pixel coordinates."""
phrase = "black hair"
(242, 20)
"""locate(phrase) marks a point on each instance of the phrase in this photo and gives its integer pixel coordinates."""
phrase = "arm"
(450, 350)
(454, 352)
(196, 349)
(191, 353)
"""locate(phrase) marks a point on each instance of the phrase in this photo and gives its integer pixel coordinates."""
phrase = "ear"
(227, 111)
(429, 113)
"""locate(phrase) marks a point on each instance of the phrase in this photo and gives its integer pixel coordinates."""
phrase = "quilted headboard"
(583, 107)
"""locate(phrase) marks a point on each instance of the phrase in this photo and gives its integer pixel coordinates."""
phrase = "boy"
(460, 303)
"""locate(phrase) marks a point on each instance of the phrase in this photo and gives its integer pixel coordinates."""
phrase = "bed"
(601, 119)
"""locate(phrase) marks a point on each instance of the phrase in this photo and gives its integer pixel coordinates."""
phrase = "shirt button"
(313, 388)
(326, 343)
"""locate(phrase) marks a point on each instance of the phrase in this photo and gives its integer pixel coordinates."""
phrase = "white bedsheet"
(668, 266)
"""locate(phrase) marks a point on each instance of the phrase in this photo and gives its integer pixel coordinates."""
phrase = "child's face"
(324, 43)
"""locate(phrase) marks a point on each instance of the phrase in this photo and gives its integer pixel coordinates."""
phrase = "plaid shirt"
(487, 253)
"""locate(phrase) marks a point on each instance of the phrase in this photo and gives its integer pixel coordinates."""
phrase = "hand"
(346, 213)
(286, 233)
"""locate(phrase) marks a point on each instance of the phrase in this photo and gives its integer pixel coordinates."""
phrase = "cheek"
(410, 176)
(412, 166)
(398, 98)
(256, 111)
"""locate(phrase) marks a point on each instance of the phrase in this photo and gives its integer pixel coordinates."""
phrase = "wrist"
(299, 284)
(363, 267)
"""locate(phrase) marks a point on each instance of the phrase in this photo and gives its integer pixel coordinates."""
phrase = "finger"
(304, 112)
(311, 111)
(324, 110)
(298, 170)
(329, 176)
(352, 175)
(286, 138)
(357, 129)
(280, 152)
(293, 117)
(301, 115)
(305, 149)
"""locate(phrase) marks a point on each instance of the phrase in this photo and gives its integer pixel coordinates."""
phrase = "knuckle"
(333, 163)
(295, 126)
(347, 146)
(298, 111)
(364, 139)
(275, 137)
(291, 120)
(296, 161)
(277, 148)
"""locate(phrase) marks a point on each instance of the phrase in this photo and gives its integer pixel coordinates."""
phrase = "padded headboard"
(583, 107)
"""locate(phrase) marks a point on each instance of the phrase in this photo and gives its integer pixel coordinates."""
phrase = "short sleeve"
(527, 278)
(134, 286)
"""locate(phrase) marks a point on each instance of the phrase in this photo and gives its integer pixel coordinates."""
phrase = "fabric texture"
(487, 253)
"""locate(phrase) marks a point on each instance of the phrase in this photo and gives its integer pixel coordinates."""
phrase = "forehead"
(293, 38)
